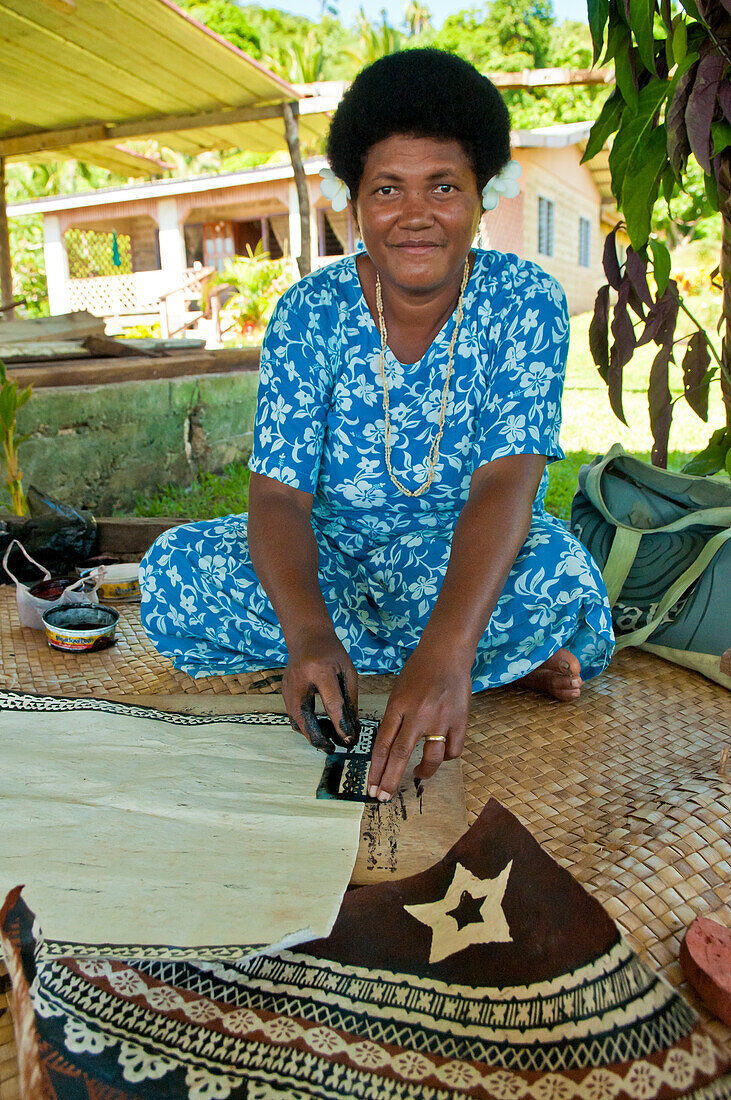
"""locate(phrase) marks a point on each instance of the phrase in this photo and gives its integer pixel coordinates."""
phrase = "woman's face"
(418, 210)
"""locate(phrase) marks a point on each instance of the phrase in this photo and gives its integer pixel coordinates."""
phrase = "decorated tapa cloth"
(136, 830)
(492, 974)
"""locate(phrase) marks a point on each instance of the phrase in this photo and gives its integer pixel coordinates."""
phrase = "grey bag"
(663, 543)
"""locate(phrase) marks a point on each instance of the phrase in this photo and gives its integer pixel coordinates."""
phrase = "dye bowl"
(53, 588)
(78, 628)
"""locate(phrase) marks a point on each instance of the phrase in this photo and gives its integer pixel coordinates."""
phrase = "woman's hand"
(319, 665)
(430, 699)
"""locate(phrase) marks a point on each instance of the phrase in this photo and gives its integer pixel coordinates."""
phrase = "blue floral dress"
(383, 555)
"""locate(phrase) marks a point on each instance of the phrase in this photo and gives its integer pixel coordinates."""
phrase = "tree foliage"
(229, 20)
(670, 115)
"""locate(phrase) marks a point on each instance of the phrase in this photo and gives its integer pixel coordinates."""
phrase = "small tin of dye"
(78, 628)
(119, 582)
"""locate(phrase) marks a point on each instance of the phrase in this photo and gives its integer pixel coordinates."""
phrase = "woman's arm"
(285, 558)
(432, 696)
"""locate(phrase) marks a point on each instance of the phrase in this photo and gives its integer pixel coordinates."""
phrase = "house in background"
(127, 253)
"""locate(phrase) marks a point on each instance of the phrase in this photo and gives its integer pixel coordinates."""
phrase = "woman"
(409, 402)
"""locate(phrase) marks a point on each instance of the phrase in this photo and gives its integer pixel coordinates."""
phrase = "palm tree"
(300, 62)
(375, 41)
(417, 17)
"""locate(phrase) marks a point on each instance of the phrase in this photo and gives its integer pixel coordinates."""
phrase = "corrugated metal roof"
(81, 77)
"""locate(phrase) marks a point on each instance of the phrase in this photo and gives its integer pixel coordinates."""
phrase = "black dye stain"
(316, 735)
(381, 831)
(349, 721)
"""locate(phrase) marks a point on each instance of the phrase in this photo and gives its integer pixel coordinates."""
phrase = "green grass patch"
(210, 496)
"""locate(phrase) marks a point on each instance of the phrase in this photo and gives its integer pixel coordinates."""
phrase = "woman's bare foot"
(559, 677)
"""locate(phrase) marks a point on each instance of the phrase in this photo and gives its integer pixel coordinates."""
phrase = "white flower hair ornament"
(334, 189)
(505, 184)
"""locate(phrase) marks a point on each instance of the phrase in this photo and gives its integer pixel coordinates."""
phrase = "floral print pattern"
(383, 556)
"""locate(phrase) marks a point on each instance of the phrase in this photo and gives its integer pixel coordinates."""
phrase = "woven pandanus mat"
(130, 667)
(627, 788)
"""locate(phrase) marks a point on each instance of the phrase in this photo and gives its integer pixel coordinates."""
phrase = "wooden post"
(6, 268)
(291, 133)
(725, 202)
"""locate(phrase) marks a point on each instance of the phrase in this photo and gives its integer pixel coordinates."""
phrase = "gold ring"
(435, 737)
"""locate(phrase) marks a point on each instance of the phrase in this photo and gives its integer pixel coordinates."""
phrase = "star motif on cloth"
(471, 912)
(467, 911)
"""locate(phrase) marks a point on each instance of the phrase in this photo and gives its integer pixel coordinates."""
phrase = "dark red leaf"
(634, 303)
(724, 97)
(666, 330)
(696, 362)
(599, 332)
(661, 409)
(621, 351)
(678, 145)
(701, 106)
(611, 260)
(637, 274)
(661, 319)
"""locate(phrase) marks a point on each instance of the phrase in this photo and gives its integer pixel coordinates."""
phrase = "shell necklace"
(433, 457)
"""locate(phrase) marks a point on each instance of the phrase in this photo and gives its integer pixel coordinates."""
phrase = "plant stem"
(699, 326)
(723, 177)
(18, 503)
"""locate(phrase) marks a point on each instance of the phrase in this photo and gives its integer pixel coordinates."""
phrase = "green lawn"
(589, 428)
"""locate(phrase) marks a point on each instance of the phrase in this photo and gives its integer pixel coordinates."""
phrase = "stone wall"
(101, 446)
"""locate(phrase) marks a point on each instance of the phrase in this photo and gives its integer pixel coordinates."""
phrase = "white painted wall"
(57, 264)
(295, 229)
(172, 256)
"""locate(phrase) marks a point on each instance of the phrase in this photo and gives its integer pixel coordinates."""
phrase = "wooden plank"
(100, 372)
(197, 121)
(63, 326)
(41, 351)
(53, 139)
(6, 259)
(152, 343)
(551, 78)
(122, 161)
(107, 346)
(125, 536)
(67, 99)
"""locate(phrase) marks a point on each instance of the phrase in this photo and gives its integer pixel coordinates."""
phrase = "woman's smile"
(418, 209)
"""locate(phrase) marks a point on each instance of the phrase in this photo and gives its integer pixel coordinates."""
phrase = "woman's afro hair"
(425, 93)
